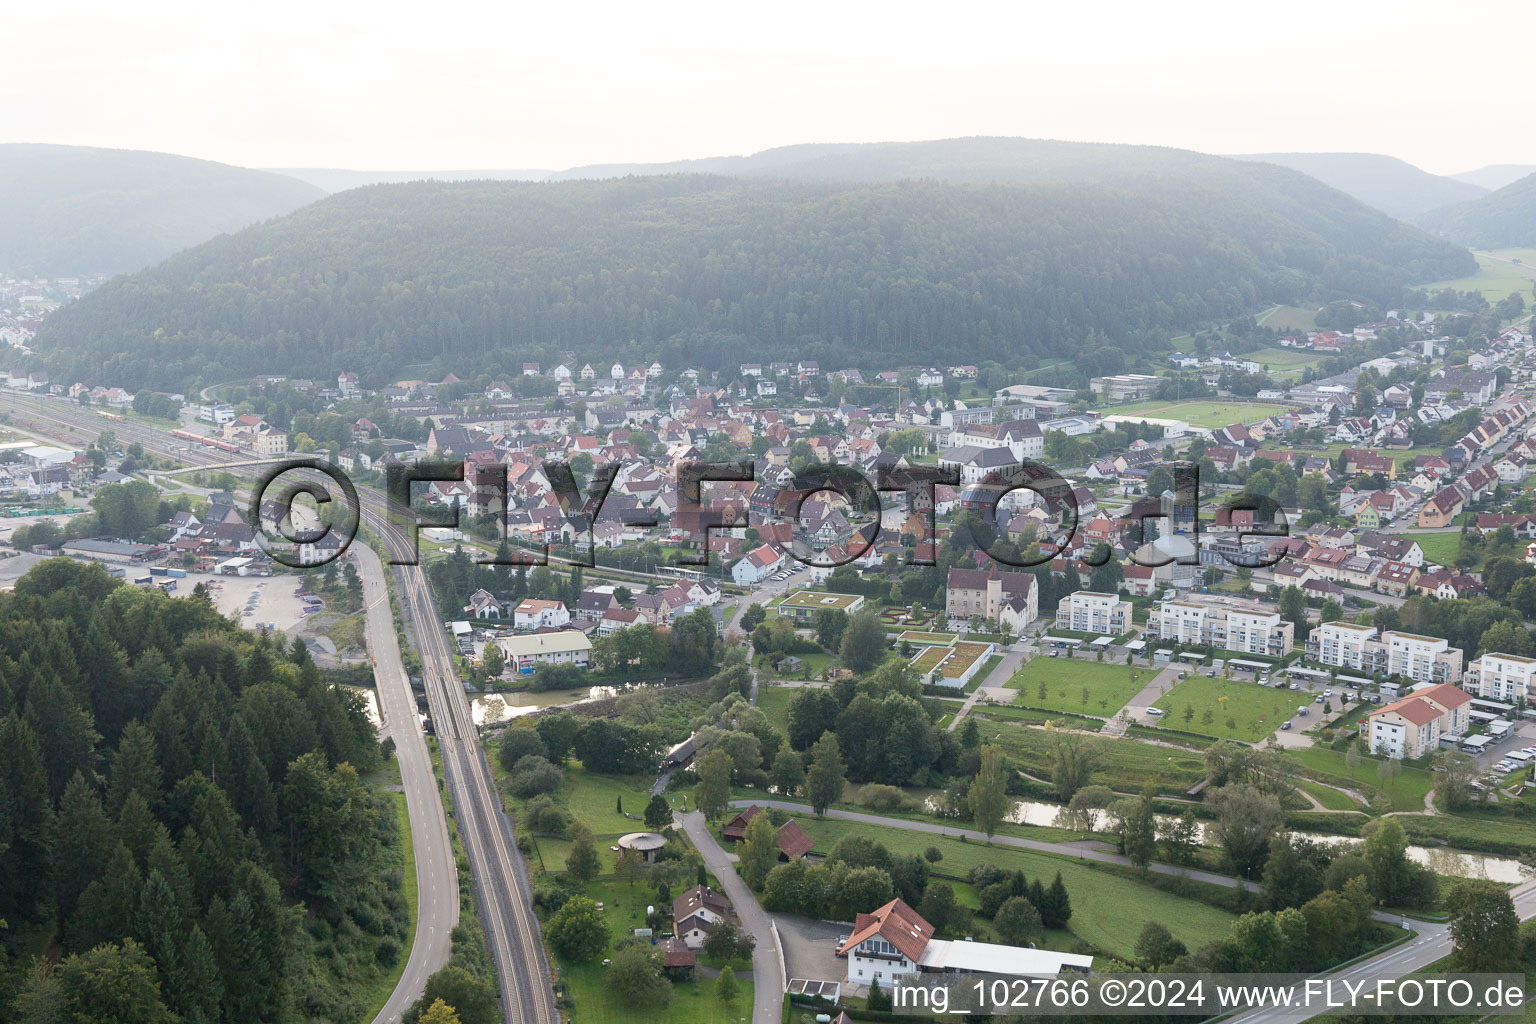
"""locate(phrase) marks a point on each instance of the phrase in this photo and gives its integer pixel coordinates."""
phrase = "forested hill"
(698, 270)
(183, 827)
(1391, 185)
(76, 210)
(1503, 218)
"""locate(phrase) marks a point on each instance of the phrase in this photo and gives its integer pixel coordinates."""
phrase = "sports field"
(1201, 414)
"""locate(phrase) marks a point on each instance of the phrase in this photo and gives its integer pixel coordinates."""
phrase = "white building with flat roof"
(1424, 659)
(565, 647)
(1202, 623)
(1089, 611)
(1344, 644)
(1503, 677)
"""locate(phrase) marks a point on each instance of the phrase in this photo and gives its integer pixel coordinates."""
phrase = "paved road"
(437, 886)
(1432, 943)
(767, 976)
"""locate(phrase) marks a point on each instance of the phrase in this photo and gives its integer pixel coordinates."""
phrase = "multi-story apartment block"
(1008, 598)
(1088, 611)
(1503, 677)
(1344, 644)
(1424, 659)
(1251, 630)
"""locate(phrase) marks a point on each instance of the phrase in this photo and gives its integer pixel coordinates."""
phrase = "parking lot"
(256, 601)
(810, 948)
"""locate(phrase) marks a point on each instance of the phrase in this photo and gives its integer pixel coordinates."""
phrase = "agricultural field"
(1498, 275)
(1108, 910)
(1108, 687)
(1199, 413)
(1225, 708)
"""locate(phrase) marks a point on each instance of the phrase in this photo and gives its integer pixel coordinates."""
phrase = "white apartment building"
(1343, 644)
(1088, 611)
(1197, 623)
(1424, 659)
(1503, 677)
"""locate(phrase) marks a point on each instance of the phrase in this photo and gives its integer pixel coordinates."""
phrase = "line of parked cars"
(785, 574)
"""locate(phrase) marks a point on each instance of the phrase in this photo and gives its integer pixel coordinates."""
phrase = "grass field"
(1287, 318)
(1406, 791)
(1123, 765)
(1108, 911)
(1201, 414)
(1497, 277)
(774, 702)
(1441, 548)
(692, 1002)
(1254, 711)
(1108, 686)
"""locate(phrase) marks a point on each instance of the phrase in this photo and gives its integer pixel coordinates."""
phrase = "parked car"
(1285, 725)
(1301, 712)
(1319, 699)
(1156, 712)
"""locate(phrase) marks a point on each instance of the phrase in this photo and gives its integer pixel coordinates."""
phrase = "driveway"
(768, 978)
(809, 947)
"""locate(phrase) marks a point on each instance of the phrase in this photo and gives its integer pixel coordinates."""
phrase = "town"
(957, 732)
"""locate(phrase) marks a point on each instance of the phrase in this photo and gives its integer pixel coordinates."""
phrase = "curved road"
(437, 886)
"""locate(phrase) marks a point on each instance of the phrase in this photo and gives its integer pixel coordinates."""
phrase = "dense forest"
(1505, 218)
(77, 210)
(184, 833)
(694, 270)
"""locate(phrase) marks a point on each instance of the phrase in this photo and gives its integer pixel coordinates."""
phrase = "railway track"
(503, 890)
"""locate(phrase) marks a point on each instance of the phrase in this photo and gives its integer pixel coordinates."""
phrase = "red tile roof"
(897, 924)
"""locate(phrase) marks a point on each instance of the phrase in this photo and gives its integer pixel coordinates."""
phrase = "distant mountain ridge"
(1502, 219)
(70, 210)
(1392, 186)
(1010, 249)
(339, 179)
(1496, 176)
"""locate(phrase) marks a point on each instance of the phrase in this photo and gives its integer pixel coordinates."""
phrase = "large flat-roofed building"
(110, 550)
(1088, 611)
(1122, 387)
(1502, 677)
(805, 605)
(1412, 727)
(1424, 659)
(526, 653)
(1252, 630)
(1343, 644)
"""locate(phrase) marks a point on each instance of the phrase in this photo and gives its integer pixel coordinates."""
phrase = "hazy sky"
(452, 85)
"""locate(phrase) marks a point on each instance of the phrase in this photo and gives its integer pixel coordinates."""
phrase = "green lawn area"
(692, 1002)
(811, 667)
(1441, 548)
(1065, 679)
(1496, 277)
(1253, 711)
(1406, 791)
(774, 702)
(1108, 910)
(1286, 318)
(1124, 765)
(1201, 414)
